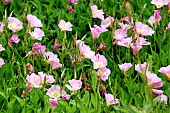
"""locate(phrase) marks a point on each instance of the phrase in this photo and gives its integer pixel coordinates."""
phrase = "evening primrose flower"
(158, 92)
(120, 34)
(125, 67)
(165, 71)
(73, 1)
(14, 24)
(162, 99)
(97, 13)
(74, 85)
(160, 3)
(14, 39)
(34, 80)
(70, 8)
(103, 73)
(54, 92)
(85, 51)
(125, 42)
(107, 22)
(46, 78)
(99, 61)
(65, 26)
(141, 68)
(1, 48)
(2, 26)
(143, 29)
(96, 31)
(33, 21)
(155, 18)
(1, 62)
(124, 26)
(110, 99)
(153, 80)
(37, 34)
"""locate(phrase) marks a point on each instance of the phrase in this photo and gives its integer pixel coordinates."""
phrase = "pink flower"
(65, 96)
(126, 19)
(143, 29)
(37, 34)
(14, 39)
(101, 47)
(156, 18)
(103, 89)
(46, 78)
(107, 22)
(160, 3)
(36, 46)
(33, 21)
(14, 24)
(97, 13)
(110, 99)
(153, 80)
(56, 47)
(120, 34)
(103, 73)
(73, 1)
(138, 44)
(1, 62)
(6, 1)
(124, 26)
(1, 48)
(70, 8)
(99, 61)
(125, 42)
(53, 60)
(34, 80)
(74, 85)
(158, 92)
(30, 68)
(54, 92)
(53, 102)
(86, 51)
(141, 68)
(2, 26)
(125, 67)
(165, 71)
(65, 26)
(169, 26)
(162, 98)
(96, 31)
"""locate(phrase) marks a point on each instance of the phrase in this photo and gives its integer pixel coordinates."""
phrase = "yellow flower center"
(55, 94)
(63, 28)
(11, 26)
(99, 64)
(159, 5)
(95, 14)
(35, 36)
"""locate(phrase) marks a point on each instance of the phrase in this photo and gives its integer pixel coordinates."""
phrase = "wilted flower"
(99, 61)
(33, 21)
(143, 29)
(56, 45)
(101, 47)
(37, 34)
(125, 67)
(126, 19)
(6, 1)
(107, 22)
(153, 80)
(165, 71)
(1, 62)
(97, 13)
(103, 89)
(65, 96)
(30, 68)
(65, 26)
(70, 8)
(14, 24)
(2, 26)
(96, 31)
(162, 98)
(73, 1)
(110, 99)
(103, 73)
(53, 102)
(74, 85)
(160, 3)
